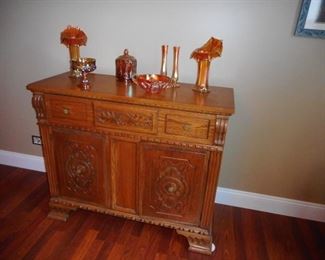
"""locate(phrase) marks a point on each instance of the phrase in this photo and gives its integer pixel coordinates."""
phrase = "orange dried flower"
(73, 36)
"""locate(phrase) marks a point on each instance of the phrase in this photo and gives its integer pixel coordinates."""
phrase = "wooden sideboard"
(149, 158)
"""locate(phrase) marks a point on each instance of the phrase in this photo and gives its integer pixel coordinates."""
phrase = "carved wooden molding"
(126, 119)
(75, 204)
(182, 144)
(39, 105)
(197, 242)
(59, 212)
(221, 129)
(153, 139)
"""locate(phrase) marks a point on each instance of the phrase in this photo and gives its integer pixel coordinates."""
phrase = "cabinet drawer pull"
(66, 111)
(187, 128)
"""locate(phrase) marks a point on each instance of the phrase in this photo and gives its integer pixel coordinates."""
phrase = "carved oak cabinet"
(119, 151)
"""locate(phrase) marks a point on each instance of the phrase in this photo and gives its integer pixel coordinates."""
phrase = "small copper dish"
(85, 65)
(152, 83)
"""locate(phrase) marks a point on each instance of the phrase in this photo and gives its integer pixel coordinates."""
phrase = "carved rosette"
(125, 119)
(171, 186)
(80, 167)
(221, 129)
(38, 105)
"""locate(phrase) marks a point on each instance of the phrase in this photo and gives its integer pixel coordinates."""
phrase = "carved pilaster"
(39, 105)
(198, 243)
(221, 130)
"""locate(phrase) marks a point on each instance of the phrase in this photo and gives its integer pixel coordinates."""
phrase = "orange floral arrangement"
(73, 36)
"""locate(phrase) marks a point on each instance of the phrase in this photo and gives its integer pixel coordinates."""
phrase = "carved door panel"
(80, 161)
(173, 182)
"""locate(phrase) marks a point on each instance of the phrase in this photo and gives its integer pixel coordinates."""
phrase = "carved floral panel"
(80, 162)
(80, 167)
(171, 185)
(125, 119)
(173, 182)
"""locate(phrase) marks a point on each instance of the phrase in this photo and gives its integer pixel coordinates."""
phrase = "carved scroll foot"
(198, 243)
(59, 212)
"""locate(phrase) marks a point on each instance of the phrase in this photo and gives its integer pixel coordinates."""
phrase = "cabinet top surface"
(107, 87)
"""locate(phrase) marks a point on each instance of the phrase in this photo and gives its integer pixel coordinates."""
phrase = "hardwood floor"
(26, 232)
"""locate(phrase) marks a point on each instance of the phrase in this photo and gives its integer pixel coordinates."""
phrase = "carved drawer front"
(125, 117)
(80, 161)
(63, 109)
(172, 182)
(188, 126)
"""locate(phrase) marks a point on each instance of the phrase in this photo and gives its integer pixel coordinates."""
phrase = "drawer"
(62, 109)
(125, 117)
(188, 126)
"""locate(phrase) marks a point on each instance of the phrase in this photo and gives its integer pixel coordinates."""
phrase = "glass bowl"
(152, 83)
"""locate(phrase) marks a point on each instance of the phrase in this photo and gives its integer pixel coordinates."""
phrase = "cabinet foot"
(59, 212)
(198, 243)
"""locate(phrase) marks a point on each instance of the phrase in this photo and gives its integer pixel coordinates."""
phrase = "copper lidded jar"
(126, 66)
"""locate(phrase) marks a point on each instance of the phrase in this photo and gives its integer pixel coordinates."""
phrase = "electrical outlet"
(36, 140)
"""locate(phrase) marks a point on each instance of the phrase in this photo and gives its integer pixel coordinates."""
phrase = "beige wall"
(276, 142)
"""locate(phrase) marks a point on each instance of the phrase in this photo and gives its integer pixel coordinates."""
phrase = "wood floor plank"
(253, 239)
(17, 194)
(5, 172)
(27, 233)
(225, 238)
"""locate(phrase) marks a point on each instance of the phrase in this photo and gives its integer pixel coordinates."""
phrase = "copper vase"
(202, 77)
(164, 52)
(203, 55)
(175, 64)
(74, 52)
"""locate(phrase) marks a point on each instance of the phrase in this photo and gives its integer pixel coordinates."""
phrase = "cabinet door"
(80, 165)
(172, 182)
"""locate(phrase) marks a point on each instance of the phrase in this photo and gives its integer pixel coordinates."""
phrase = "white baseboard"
(271, 204)
(231, 197)
(21, 160)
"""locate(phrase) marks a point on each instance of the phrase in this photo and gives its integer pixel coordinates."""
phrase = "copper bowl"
(152, 83)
